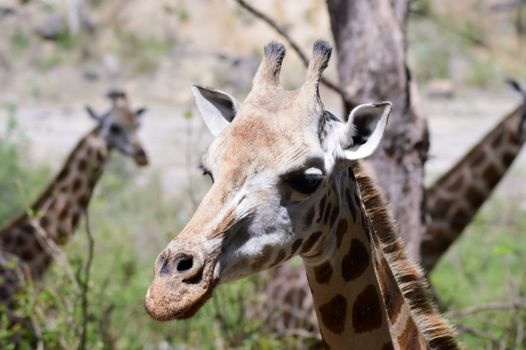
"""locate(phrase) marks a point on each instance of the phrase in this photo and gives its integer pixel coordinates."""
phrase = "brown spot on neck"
(279, 258)
(340, 231)
(310, 242)
(323, 272)
(295, 246)
(388, 346)
(351, 204)
(262, 258)
(356, 261)
(327, 213)
(322, 208)
(367, 311)
(333, 314)
(309, 217)
(393, 298)
(409, 339)
(474, 196)
(491, 175)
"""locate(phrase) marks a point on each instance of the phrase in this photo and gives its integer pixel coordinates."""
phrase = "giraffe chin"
(141, 160)
(168, 299)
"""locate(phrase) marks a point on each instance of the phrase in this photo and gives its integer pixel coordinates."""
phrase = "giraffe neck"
(361, 280)
(340, 270)
(456, 196)
(53, 217)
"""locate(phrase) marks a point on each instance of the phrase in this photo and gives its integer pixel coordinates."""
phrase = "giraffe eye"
(115, 129)
(305, 183)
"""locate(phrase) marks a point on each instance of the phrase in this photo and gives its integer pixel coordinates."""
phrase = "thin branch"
(292, 43)
(519, 337)
(514, 305)
(464, 34)
(85, 283)
(478, 333)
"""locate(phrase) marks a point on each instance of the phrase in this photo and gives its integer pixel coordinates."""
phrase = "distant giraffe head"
(284, 184)
(119, 126)
(28, 244)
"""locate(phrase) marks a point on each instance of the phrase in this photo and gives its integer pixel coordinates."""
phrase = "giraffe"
(287, 181)
(27, 242)
(457, 195)
(452, 201)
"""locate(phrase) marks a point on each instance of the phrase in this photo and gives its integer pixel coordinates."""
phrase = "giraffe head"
(273, 158)
(119, 126)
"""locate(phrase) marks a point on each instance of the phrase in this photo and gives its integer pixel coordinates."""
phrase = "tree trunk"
(370, 42)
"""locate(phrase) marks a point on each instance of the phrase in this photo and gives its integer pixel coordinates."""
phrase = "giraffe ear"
(140, 111)
(364, 130)
(217, 108)
(93, 114)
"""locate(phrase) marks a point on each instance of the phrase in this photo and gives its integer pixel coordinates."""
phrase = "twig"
(85, 283)
(516, 304)
(438, 21)
(477, 333)
(303, 57)
(220, 317)
(519, 337)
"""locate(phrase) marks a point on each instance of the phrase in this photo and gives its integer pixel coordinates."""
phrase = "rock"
(51, 27)
(111, 64)
(7, 11)
(90, 75)
(441, 88)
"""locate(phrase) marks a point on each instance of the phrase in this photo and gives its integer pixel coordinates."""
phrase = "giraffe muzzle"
(183, 282)
(140, 157)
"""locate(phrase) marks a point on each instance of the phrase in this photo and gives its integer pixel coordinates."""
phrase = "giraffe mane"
(437, 331)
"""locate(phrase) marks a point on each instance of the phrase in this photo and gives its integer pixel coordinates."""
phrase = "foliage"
(19, 183)
(485, 266)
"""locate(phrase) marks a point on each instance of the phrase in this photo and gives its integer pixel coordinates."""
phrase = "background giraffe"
(27, 244)
(452, 201)
(456, 196)
(299, 196)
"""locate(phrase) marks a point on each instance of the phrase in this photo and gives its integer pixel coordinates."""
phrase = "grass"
(485, 266)
(19, 182)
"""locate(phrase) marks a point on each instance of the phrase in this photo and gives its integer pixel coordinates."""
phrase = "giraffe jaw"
(169, 312)
(140, 158)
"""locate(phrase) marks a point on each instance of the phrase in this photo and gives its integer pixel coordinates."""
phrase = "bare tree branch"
(478, 333)
(513, 305)
(303, 57)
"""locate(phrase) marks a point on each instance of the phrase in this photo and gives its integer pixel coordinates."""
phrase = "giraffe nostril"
(185, 264)
(164, 270)
(140, 152)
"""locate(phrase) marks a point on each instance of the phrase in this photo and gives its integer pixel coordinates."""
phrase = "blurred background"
(58, 56)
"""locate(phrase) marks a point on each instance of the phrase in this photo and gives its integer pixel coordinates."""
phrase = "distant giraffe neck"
(356, 306)
(55, 214)
(456, 196)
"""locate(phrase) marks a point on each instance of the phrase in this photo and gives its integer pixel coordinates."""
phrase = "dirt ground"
(174, 141)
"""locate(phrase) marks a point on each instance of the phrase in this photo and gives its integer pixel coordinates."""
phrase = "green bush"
(19, 182)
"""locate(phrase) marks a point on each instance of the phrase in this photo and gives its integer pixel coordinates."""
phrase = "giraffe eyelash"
(205, 171)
